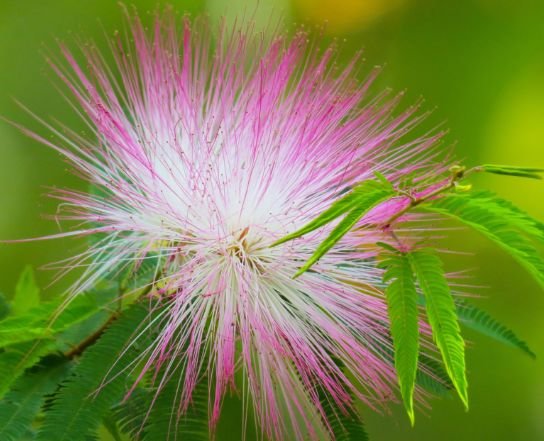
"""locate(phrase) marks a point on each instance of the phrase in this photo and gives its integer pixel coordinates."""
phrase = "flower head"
(207, 147)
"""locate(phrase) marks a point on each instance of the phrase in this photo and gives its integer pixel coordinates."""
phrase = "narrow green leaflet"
(21, 405)
(27, 293)
(430, 376)
(500, 222)
(517, 218)
(345, 425)
(356, 198)
(166, 423)
(515, 215)
(509, 170)
(480, 321)
(337, 233)
(96, 383)
(403, 315)
(442, 316)
(364, 203)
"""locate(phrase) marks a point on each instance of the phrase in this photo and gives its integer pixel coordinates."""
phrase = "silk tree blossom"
(207, 146)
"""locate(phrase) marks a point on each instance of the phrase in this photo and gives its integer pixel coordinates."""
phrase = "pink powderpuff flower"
(210, 144)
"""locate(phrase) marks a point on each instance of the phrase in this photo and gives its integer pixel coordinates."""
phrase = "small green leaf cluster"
(415, 284)
(67, 367)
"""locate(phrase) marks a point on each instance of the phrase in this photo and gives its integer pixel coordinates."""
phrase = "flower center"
(247, 250)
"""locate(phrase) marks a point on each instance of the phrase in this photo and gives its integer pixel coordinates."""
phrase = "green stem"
(458, 173)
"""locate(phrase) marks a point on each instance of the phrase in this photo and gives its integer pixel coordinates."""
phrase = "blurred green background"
(479, 62)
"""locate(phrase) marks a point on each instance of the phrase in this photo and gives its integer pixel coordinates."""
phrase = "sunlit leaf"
(364, 203)
(442, 316)
(356, 198)
(500, 222)
(403, 316)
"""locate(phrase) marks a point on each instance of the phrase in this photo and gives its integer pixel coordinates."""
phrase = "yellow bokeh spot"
(344, 15)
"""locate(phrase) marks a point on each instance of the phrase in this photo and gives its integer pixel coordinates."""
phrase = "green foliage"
(432, 377)
(403, 314)
(357, 197)
(14, 360)
(338, 208)
(27, 293)
(96, 383)
(442, 316)
(345, 424)
(516, 217)
(41, 321)
(356, 204)
(480, 321)
(166, 423)
(509, 170)
(111, 426)
(131, 413)
(499, 221)
(21, 405)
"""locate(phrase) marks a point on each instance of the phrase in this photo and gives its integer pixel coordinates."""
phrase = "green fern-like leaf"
(442, 316)
(359, 196)
(96, 384)
(342, 206)
(21, 405)
(14, 360)
(371, 195)
(403, 315)
(432, 377)
(164, 421)
(344, 424)
(499, 221)
(480, 321)
(516, 217)
(131, 413)
(111, 426)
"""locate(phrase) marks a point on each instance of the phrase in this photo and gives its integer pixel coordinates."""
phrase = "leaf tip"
(411, 416)
(299, 272)
(463, 394)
